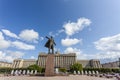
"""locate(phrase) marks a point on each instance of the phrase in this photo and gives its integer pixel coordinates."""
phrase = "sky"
(89, 28)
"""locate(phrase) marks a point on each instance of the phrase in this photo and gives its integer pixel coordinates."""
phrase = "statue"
(50, 44)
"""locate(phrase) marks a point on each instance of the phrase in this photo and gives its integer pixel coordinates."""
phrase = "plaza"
(70, 77)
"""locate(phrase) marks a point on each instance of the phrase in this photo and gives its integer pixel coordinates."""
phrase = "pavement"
(70, 77)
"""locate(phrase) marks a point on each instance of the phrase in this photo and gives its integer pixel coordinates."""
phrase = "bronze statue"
(50, 44)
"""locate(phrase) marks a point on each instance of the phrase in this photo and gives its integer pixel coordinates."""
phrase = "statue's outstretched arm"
(47, 37)
(54, 43)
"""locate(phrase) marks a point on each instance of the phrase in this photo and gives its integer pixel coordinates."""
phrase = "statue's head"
(51, 37)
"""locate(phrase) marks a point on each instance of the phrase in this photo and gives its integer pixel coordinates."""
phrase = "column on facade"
(59, 60)
(63, 61)
(38, 61)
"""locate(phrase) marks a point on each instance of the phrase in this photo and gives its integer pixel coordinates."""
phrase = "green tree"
(35, 67)
(76, 67)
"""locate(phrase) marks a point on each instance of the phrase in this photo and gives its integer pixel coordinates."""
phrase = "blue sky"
(90, 28)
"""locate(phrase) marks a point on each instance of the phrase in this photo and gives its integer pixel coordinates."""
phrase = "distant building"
(93, 63)
(23, 63)
(111, 65)
(5, 64)
(61, 60)
(85, 63)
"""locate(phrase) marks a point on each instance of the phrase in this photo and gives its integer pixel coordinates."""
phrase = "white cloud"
(1, 36)
(10, 34)
(3, 43)
(70, 42)
(41, 38)
(32, 57)
(26, 35)
(78, 52)
(15, 54)
(9, 56)
(21, 45)
(74, 27)
(111, 56)
(106, 55)
(51, 34)
(109, 47)
(72, 50)
(60, 31)
(29, 35)
(108, 43)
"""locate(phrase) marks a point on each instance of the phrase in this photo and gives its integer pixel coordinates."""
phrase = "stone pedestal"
(49, 69)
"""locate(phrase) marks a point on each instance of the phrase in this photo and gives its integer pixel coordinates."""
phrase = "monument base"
(49, 70)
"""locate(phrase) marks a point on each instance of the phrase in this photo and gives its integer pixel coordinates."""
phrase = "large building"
(23, 63)
(60, 60)
(93, 63)
(66, 60)
(111, 65)
(5, 64)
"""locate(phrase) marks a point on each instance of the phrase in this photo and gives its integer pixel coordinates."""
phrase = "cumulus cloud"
(72, 50)
(1, 36)
(10, 34)
(21, 45)
(32, 57)
(104, 57)
(74, 27)
(3, 43)
(9, 56)
(109, 47)
(70, 42)
(77, 51)
(29, 35)
(41, 38)
(108, 43)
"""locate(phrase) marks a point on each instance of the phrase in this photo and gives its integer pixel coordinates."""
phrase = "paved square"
(71, 77)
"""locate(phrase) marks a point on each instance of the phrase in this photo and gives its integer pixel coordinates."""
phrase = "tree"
(35, 67)
(76, 67)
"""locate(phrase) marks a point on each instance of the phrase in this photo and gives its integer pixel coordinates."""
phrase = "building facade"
(66, 60)
(93, 63)
(85, 63)
(111, 65)
(60, 60)
(23, 63)
(5, 64)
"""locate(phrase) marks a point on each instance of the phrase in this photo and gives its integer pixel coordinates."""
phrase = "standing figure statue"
(50, 44)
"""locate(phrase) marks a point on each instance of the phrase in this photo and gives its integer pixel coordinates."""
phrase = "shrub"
(5, 70)
(116, 70)
(76, 67)
(35, 67)
(62, 70)
(43, 70)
